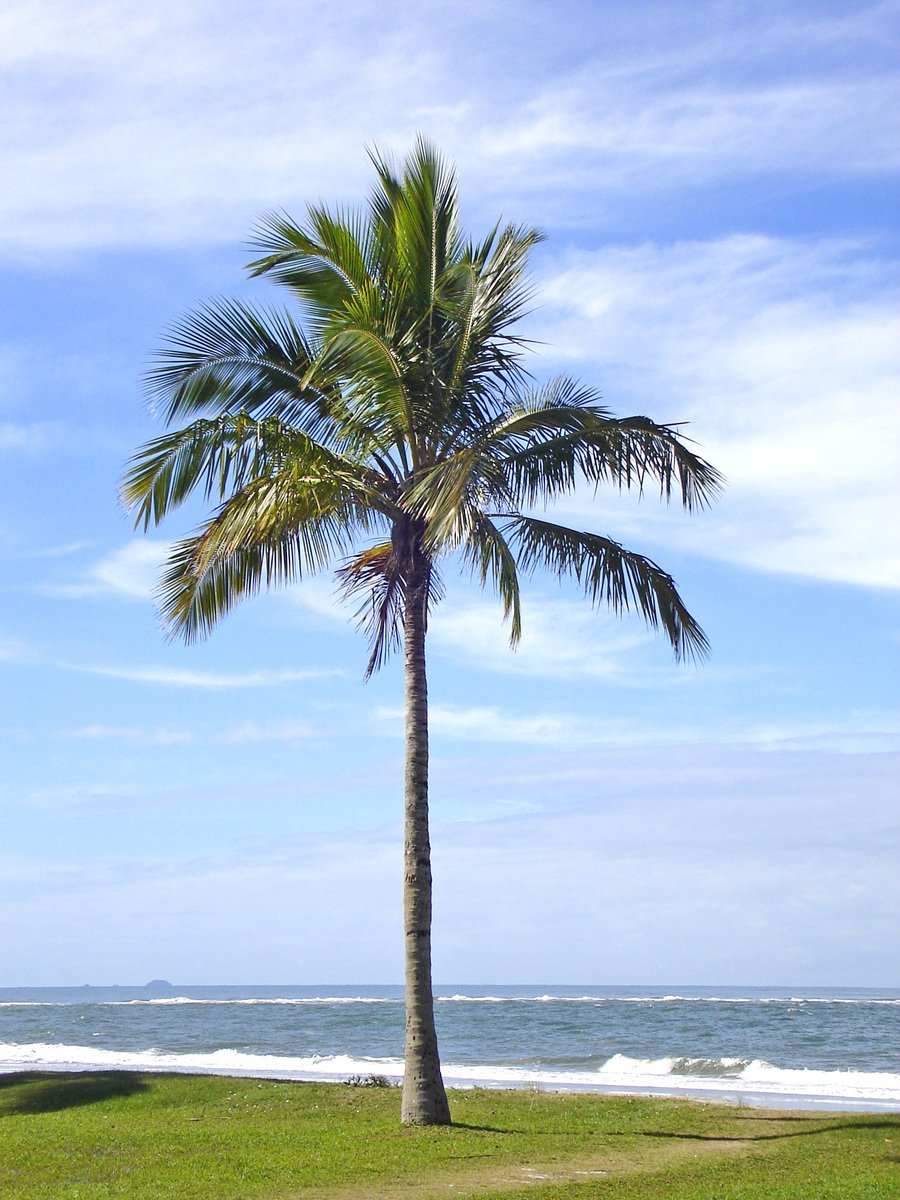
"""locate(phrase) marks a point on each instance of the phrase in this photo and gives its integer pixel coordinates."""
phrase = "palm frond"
(560, 435)
(449, 495)
(479, 357)
(417, 219)
(270, 533)
(324, 266)
(228, 356)
(378, 575)
(377, 399)
(374, 575)
(610, 575)
(489, 555)
(221, 456)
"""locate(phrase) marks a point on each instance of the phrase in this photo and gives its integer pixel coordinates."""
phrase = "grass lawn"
(118, 1134)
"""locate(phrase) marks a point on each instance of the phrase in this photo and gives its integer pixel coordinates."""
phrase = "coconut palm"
(391, 427)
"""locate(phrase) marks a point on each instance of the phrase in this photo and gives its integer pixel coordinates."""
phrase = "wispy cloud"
(853, 733)
(185, 678)
(31, 437)
(655, 846)
(62, 551)
(134, 735)
(11, 649)
(785, 357)
(245, 732)
(796, 853)
(294, 729)
(489, 724)
(139, 97)
(318, 596)
(131, 571)
(675, 100)
(665, 133)
(561, 638)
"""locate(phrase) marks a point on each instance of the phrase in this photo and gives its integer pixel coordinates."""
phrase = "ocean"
(813, 1048)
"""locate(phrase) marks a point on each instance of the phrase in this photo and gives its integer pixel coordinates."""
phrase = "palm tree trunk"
(424, 1098)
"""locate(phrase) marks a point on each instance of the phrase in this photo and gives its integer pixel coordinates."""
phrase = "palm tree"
(393, 427)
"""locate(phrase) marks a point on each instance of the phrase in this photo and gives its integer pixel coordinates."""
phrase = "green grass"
(117, 1134)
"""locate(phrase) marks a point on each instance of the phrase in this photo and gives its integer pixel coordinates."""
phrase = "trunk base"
(425, 1103)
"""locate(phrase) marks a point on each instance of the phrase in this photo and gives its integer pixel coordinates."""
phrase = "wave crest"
(716, 1078)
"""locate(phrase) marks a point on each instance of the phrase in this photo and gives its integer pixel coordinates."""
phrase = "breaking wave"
(753, 1081)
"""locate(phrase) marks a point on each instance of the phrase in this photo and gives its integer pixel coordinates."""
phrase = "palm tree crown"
(394, 427)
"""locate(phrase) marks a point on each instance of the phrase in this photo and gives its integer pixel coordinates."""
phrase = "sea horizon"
(468, 984)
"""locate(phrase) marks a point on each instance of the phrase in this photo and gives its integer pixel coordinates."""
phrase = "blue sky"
(719, 186)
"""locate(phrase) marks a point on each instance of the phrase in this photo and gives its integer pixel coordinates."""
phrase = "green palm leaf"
(610, 575)
(274, 530)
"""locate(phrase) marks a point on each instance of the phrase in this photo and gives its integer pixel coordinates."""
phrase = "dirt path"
(471, 1180)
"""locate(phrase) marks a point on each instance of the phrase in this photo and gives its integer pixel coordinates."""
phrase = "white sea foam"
(456, 998)
(792, 1000)
(292, 1000)
(28, 1004)
(732, 1079)
(461, 998)
(756, 1079)
(226, 1061)
(669, 999)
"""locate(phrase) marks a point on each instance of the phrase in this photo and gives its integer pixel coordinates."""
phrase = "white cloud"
(116, 112)
(271, 731)
(600, 138)
(62, 551)
(489, 724)
(131, 735)
(724, 869)
(133, 571)
(131, 146)
(212, 916)
(183, 677)
(784, 355)
(11, 649)
(31, 437)
(318, 596)
(854, 733)
(246, 731)
(560, 638)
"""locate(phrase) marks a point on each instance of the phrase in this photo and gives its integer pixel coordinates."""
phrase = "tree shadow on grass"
(774, 1137)
(482, 1128)
(27, 1093)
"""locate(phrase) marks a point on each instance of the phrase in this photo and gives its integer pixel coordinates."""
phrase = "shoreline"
(774, 1048)
(722, 1092)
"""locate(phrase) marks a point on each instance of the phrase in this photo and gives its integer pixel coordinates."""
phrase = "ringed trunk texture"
(424, 1098)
